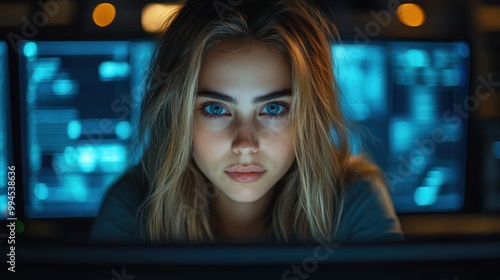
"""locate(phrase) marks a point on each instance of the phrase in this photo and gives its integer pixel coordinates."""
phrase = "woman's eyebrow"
(216, 95)
(259, 99)
(273, 95)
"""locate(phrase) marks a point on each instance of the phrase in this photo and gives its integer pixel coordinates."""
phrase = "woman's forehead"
(257, 68)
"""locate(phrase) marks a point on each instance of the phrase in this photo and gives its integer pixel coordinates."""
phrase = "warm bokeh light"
(104, 14)
(411, 14)
(154, 15)
(487, 17)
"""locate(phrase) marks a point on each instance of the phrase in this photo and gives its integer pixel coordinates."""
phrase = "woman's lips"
(245, 173)
(245, 177)
(245, 168)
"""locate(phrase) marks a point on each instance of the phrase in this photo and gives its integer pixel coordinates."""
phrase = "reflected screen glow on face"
(242, 137)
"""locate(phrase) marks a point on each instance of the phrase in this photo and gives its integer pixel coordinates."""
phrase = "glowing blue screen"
(81, 101)
(401, 99)
(5, 134)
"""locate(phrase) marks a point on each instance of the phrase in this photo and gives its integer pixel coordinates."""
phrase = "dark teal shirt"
(368, 214)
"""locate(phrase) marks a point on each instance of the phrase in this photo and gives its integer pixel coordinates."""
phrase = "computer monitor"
(80, 102)
(5, 132)
(402, 98)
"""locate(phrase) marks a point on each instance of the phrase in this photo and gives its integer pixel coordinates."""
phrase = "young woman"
(244, 136)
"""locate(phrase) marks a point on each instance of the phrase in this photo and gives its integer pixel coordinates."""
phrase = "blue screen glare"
(82, 101)
(402, 94)
(496, 149)
(5, 148)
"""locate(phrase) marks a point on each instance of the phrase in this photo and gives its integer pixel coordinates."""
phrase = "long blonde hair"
(308, 202)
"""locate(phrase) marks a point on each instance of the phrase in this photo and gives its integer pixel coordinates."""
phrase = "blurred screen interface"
(82, 101)
(400, 97)
(5, 149)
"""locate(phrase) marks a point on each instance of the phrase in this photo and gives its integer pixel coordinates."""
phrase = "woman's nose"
(246, 140)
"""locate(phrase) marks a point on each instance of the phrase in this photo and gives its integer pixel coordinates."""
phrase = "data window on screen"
(399, 97)
(81, 103)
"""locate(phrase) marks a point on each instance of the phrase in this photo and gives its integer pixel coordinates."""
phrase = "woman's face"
(242, 134)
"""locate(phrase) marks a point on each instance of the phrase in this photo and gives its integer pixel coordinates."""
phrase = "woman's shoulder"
(131, 186)
(368, 214)
(116, 219)
(362, 190)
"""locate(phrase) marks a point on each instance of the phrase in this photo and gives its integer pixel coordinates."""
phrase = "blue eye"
(273, 109)
(215, 109)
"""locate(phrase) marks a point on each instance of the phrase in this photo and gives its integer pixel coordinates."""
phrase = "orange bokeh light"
(411, 14)
(104, 14)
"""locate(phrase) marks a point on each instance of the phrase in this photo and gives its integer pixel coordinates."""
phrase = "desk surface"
(442, 258)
